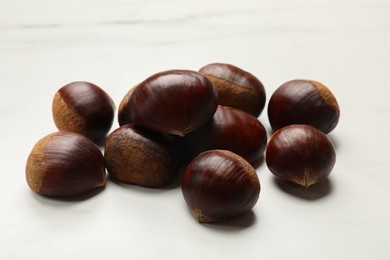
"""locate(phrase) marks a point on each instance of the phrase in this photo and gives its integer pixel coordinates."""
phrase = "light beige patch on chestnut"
(66, 118)
(200, 217)
(125, 100)
(36, 166)
(307, 179)
(326, 95)
(234, 95)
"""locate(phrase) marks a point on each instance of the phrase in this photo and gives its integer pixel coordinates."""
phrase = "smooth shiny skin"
(173, 102)
(219, 185)
(65, 164)
(300, 154)
(230, 129)
(83, 108)
(303, 102)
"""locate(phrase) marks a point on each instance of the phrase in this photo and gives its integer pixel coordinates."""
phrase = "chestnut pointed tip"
(305, 183)
(307, 180)
(300, 154)
(178, 133)
(200, 217)
(173, 101)
(102, 183)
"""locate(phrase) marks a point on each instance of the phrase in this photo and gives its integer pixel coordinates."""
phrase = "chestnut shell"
(303, 102)
(173, 102)
(300, 154)
(140, 156)
(219, 185)
(230, 129)
(236, 87)
(123, 112)
(83, 108)
(65, 164)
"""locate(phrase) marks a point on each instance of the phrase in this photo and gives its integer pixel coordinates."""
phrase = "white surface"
(115, 44)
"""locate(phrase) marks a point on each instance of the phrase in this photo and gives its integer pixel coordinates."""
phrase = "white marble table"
(115, 44)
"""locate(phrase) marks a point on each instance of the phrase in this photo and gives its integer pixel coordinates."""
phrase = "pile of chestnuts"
(200, 126)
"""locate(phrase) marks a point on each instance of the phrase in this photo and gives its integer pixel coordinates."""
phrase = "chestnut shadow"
(101, 142)
(256, 164)
(71, 199)
(335, 140)
(133, 187)
(173, 184)
(232, 225)
(313, 192)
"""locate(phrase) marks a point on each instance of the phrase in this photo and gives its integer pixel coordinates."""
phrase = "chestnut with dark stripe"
(65, 164)
(219, 185)
(83, 108)
(303, 102)
(236, 87)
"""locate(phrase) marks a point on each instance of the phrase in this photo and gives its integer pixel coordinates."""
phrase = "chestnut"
(236, 87)
(303, 102)
(139, 156)
(123, 112)
(230, 129)
(83, 108)
(173, 102)
(300, 154)
(219, 185)
(65, 164)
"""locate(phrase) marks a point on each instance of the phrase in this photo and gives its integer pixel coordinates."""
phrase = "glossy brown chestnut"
(173, 102)
(303, 102)
(83, 108)
(230, 129)
(236, 87)
(139, 156)
(65, 164)
(300, 154)
(219, 185)
(123, 112)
